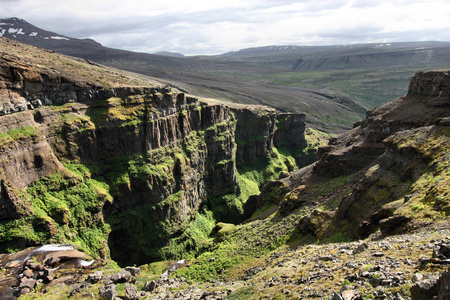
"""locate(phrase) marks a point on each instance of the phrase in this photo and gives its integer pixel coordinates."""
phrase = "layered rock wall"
(83, 146)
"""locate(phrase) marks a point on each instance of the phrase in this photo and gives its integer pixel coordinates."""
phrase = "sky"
(195, 27)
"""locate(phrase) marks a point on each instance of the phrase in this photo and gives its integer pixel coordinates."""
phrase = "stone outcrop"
(383, 169)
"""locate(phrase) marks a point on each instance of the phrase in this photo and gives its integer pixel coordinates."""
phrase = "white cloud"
(215, 26)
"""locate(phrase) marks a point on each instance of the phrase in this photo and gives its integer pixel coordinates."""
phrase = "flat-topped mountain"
(333, 85)
(369, 55)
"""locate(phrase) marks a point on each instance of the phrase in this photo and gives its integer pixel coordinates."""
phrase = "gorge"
(132, 172)
(147, 164)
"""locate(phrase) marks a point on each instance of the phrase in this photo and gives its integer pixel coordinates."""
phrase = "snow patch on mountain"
(59, 38)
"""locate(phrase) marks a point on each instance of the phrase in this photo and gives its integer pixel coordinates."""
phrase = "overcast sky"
(217, 26)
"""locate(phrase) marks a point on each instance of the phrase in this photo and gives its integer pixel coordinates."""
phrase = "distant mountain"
(201, 77)
(333, 85)
(19, 29)
(168, 53)
(298, 58)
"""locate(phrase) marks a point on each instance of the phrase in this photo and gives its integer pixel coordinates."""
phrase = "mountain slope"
(369, 55)
(333, 85)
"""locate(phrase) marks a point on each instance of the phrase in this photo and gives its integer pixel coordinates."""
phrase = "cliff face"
(138, 173)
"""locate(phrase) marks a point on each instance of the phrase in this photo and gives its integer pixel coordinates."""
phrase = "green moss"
(210, 265)
(241, 294)
(429, 190)
(340, 237)
(155, 268)
(66, 208)
(194, 239)
(18, 133)
(172, 200)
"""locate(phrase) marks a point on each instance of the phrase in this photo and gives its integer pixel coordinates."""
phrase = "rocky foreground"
(408, 266)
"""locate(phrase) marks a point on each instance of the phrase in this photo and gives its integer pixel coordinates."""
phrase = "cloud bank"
(213, 27)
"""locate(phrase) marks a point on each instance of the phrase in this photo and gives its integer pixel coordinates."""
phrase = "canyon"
(132, 172)
(145, 162)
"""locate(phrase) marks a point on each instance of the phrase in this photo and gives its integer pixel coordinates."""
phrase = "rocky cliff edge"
(120, 165)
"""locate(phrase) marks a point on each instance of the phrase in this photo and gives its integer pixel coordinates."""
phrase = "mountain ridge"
(333, 97)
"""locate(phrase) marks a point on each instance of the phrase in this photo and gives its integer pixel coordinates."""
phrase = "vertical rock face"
(158, 159)
(259, 130)
(254, 133)
(86, 155)
(431, 83)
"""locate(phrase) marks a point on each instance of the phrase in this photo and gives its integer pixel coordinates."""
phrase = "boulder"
(28, 273)
(441, 252)
(29, 283)
(394, 225)
(131, 292)
(425, 289)
(109, 292)
(121, 277)
(437, 288)
(95, 277)
(150, 286)
(133, 270)
(61, 256)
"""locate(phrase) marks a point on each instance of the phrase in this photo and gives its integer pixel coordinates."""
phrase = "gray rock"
(424, 290)
(28, 273)
(109, 292)
(326, 258)
(336, 296)
(121, 277)
(24, 290)
(349, 295)
(131, 292)
(95, 277)
(444, 290)
(375, 282)
(442, 252)
(150, 286)
(133, 270)
(361, 248)
(28, 282)
(80, 288)
(417, 277)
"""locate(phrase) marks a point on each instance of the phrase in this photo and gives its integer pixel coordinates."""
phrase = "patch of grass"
(66, 209)
(18, 133)
(211, 264)
(241, 294)
(340, 237)
(430, 190)
(155, 268)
